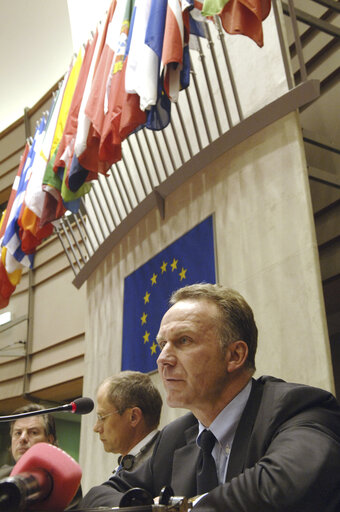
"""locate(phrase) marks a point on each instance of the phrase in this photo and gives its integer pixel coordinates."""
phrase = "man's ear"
(236, 355)
(51, 439)
(136, 416)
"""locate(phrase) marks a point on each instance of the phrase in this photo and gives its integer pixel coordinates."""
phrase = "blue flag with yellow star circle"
(188, 260)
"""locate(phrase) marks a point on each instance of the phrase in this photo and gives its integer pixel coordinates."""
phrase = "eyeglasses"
(101, 417)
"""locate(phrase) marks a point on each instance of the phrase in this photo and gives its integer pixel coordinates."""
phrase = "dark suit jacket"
(5, 471)
(285, 456)
(146, 452)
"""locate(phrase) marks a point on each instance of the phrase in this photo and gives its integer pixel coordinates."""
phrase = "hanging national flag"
(15, 256)
(51, 183)
(173, 44)
(188, 260)
(14, 190)
(123, 112)
(71, 125)
(240, 16)
(94, 110)
(66, 102)
(6, 288)
(34, 195)
(53, 204)
(159, 112)
(142, 70)
(78, 174)
(31, 233)
(63, 159)
(198, 26)
(212, 7)
(8, 282)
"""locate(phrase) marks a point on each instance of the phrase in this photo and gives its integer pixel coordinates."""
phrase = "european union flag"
(147, 291)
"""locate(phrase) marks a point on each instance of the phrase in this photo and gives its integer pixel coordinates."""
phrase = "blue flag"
(147, 291)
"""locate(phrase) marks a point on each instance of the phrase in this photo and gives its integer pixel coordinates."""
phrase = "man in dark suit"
(274, 446)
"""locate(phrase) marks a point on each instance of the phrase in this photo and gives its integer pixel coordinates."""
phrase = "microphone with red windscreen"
(44, 478)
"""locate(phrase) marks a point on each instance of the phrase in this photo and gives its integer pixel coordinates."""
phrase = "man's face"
(27, 432)
(192, 365)
(114, 429)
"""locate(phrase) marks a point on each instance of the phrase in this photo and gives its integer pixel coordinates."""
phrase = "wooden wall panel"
(57, 354)
(57, 374)
(59, 311)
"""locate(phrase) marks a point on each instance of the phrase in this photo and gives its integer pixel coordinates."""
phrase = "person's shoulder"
(181, 423)
(179, 430)
(282, 387)
(5, 471)
(296, 396)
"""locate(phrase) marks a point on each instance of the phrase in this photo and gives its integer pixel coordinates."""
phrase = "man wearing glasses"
(128, 413)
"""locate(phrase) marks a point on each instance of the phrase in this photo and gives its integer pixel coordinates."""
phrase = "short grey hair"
(135, 389)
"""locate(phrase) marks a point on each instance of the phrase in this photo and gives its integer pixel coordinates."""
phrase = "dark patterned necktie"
(206, 475)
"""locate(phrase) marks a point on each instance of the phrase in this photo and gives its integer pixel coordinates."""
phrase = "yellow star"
(174, 264)
(146, 297)
(154, 279)
(146, 337)
(182, 273)
(143, 318)
(153, 348)
(163, 267)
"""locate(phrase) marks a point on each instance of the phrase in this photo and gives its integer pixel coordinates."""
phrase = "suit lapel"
(184, 465)
(243, 432)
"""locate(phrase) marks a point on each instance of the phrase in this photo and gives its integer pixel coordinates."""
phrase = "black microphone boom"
(81, 405)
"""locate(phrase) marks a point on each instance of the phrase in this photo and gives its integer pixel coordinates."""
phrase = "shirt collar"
(138, 447)
(224, 425)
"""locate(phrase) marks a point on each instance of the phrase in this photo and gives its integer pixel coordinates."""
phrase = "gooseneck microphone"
(44, 478)
(82, 405)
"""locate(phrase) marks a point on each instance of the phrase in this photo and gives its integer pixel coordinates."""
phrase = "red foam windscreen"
(64, 471)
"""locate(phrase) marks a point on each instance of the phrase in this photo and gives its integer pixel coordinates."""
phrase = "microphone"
(44, 478)
(81, 405)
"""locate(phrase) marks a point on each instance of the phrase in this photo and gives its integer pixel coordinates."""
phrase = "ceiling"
(37, 40)
(35, 51)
